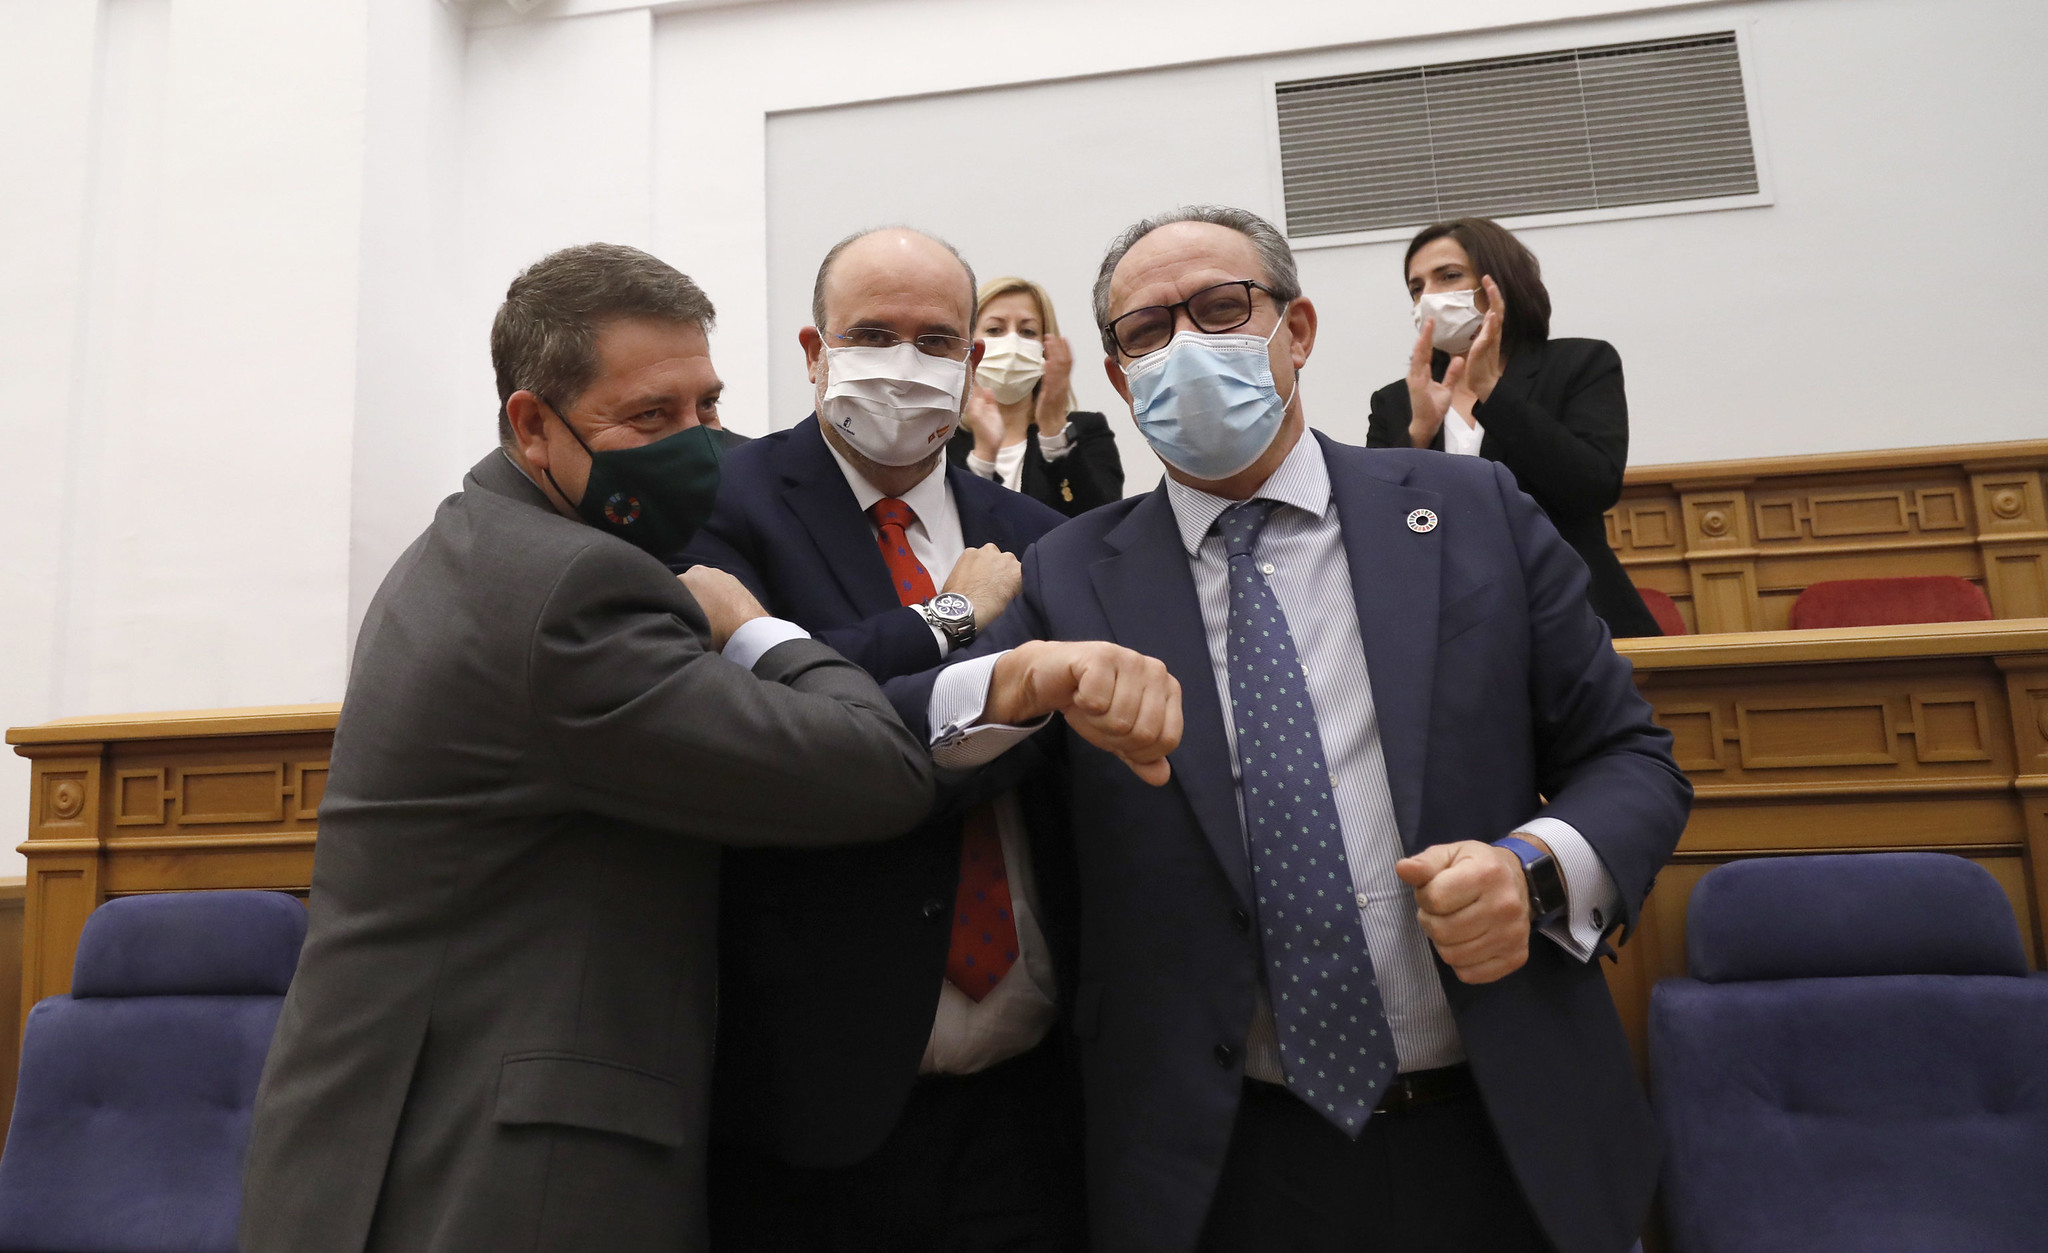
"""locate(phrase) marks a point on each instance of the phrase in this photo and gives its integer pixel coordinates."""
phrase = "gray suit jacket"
(499, 1037)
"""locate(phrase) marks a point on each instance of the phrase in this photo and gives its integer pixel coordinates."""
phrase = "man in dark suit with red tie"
(888, 1073)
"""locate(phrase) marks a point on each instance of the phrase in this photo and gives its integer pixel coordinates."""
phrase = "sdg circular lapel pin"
(1422, 521)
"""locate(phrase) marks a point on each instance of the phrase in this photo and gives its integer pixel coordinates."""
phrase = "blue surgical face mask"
(1206, 403)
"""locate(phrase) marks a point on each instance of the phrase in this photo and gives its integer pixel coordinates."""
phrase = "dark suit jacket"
(1558, 419)
(1091, 473)
(833, 959)
(1495, 688)
(500, 1032)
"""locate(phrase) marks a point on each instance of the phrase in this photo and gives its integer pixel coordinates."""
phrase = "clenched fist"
(989, 577)
(726, 602)
(1473, 901)
(1122, 702)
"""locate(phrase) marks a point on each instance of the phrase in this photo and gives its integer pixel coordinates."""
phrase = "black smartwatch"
(1547, 900)
(953, 615)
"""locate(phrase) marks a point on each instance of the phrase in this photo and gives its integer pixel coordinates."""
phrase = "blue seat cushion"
(190, 944)
(1856, 1115)
(132, 1122)
(1848, 915)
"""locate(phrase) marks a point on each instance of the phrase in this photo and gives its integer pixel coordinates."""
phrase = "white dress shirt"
(969, 1035)
(1301, 553)
(1008, 467)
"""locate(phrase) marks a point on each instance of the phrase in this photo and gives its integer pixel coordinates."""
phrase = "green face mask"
(655, 496)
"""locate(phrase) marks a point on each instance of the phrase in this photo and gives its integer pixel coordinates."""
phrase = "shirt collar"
(1302, 480)
(931, 495)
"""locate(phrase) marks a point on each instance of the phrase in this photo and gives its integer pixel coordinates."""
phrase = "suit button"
(1226, 1056)
(1241, 920)
(932, 910)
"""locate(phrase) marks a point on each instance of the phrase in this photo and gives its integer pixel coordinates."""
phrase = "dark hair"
(1275, 257)
(832, 255)
(544, 339)
(1497, 254)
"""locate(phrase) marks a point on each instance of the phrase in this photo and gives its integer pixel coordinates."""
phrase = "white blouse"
(1462, 437)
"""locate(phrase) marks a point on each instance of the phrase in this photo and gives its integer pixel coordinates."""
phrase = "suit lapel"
(978, 524)
(1148, 593)
(816, 492)
(1517, 379)
(1394, 579)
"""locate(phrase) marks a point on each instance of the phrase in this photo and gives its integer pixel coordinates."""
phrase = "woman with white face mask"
(1486, 379)
(1020, 427)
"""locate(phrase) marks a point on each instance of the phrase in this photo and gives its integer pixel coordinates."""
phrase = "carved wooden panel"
(1757, 533)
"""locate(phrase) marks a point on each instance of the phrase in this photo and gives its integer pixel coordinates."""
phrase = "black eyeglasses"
(951, 347)
(1224, 307)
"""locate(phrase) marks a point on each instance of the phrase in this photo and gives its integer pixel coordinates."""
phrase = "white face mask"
(896, 406)
(1011, 367)
(1457, 319)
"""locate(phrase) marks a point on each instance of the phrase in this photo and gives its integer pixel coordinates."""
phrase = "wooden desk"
(1920, 737)
(165, 802)
(1735, 542)
(1858, 740)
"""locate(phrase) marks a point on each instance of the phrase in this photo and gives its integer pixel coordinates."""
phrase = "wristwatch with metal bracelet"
(952, 615)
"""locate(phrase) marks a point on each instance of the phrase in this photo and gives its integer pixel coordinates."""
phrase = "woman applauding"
(1020, 427)
(1485, 379)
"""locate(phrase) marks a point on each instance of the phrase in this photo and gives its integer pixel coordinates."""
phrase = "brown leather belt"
(1414, 1089)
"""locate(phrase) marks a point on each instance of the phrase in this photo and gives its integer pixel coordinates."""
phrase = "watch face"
(952, 605)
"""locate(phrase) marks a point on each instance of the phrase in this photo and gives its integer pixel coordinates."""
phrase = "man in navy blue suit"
(888, 1076)
(1336, 987)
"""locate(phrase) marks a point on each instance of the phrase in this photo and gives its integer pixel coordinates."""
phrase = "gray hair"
(825, 269)
(544, 339)
(1275, 257)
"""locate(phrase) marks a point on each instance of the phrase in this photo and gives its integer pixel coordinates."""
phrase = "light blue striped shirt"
(1302, 555)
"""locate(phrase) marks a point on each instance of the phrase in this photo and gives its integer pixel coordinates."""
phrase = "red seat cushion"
(1664, 610)
(1889, 602)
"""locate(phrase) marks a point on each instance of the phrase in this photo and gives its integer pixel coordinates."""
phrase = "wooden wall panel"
(1733, 543)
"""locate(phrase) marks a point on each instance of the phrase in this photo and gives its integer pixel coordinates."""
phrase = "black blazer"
(831, 966)
(1090, 474)
(1558, 419)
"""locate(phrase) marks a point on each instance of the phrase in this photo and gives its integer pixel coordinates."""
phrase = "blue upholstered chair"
(1858, 1064)
(132, 1117)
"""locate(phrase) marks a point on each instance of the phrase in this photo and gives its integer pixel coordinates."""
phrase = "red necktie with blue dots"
(984, 944)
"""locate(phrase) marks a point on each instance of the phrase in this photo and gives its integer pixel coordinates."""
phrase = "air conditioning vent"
(1588, 128)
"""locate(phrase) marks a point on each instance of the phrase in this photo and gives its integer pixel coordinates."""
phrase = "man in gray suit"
(499, 1035)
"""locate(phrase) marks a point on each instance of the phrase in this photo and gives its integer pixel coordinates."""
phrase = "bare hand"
(726, 602)
(985, 420)
(1428, 400)
(990, 578)
(1481, 362)
(1121, 701)
(1051, 412)
(1473, 901)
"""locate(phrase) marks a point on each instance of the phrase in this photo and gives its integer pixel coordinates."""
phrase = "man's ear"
(814, 352)
(974, 356)
(1301, 330)
(1116, 378)
(528, 415)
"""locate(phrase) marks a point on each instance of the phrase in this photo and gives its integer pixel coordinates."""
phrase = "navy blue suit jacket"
(1498, 698)
(831, 964)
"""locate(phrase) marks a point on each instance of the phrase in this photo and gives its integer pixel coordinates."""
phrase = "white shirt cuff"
(1053, 447)
(754, 638)
(986, 469)
(938, 636)
(959, 695)
(1590, 894)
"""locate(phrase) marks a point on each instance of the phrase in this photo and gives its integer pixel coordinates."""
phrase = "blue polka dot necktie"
(1335, 1046)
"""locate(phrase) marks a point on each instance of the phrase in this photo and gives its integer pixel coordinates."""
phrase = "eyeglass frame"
(1251, 308)
(915, 341)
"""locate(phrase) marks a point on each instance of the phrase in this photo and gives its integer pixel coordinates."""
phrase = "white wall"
(1900, 136)
(250, 251)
